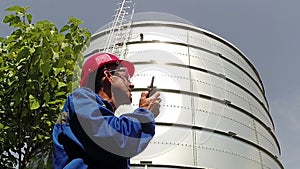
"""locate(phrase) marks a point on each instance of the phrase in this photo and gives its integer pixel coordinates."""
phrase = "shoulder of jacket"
(83, 90)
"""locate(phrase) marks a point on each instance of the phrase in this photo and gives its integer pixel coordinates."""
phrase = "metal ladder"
(120, 31)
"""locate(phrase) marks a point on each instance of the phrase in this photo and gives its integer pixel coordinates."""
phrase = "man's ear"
(108, 76)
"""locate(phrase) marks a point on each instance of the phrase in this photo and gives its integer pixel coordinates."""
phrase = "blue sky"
(267, 32)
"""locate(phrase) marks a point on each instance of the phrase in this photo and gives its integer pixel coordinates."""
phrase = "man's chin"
(123, 100)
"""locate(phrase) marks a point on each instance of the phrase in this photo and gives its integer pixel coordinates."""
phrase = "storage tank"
(214, 112)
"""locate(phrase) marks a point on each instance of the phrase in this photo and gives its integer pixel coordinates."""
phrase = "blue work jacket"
(88, 134)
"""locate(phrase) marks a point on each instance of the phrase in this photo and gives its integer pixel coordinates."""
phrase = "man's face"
(121, 85)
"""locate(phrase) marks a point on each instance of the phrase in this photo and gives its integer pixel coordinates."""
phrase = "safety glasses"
(121, 72)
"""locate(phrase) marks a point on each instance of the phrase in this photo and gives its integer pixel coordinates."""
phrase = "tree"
(39, 67)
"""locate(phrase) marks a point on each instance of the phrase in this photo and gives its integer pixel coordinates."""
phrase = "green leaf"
(61, 62)
(61, 84)
(23, 54)
(45, 68)
(49, 123)
(14, 8)
(58, 70)
(40, 136)
(60, 94)
(7, 18)
(34, 104)
(11, 38)
(64, 28)
(75, 21)
(60, 39)
(47, 97)
(55, 55)
(70, 86)
(53, 82)
(12, 19)
(29, 18)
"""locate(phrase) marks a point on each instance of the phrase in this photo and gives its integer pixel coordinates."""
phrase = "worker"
(88, 134)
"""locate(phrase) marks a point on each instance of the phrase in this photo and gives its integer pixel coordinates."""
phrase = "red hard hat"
(98, 60)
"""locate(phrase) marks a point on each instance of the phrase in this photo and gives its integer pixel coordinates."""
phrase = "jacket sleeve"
(125, 136)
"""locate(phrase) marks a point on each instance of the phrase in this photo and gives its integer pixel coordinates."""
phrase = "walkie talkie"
(151, 88)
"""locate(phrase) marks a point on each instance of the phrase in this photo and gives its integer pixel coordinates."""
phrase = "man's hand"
(152, 103)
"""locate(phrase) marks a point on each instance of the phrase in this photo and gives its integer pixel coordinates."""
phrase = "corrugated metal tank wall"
(214, 112)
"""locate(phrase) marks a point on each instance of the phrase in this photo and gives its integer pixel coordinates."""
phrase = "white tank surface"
(214, 112)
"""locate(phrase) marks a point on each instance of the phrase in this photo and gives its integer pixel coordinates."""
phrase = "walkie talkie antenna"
(152, 81)
(151, 87)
